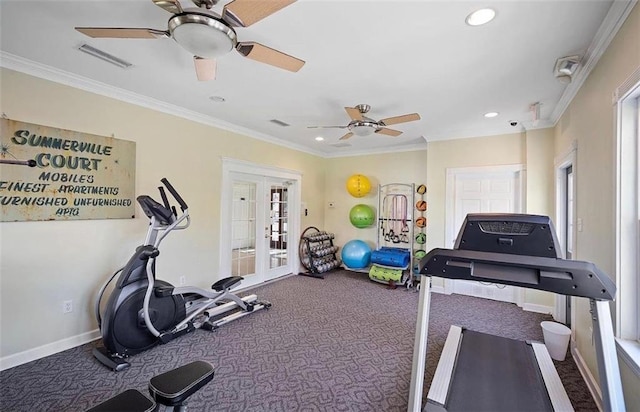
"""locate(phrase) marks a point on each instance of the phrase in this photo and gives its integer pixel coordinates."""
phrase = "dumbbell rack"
(318, 254)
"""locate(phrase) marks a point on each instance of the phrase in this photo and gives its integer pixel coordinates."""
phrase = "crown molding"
(32, 68)
(615, 18)
(381, 150)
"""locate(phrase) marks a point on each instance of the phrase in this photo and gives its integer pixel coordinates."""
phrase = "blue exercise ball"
(356, 254)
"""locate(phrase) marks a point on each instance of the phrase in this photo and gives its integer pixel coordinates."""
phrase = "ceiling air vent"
(279, 122)
(109, 58)
(341, 145)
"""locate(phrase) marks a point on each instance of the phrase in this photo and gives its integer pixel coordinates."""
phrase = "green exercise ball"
(361, 216)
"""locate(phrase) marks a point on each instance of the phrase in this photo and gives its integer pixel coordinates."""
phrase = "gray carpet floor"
(343, 343)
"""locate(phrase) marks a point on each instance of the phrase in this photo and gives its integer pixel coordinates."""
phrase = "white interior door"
(482, 190)
(259, 223)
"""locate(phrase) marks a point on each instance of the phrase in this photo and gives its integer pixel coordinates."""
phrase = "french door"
(258, 231)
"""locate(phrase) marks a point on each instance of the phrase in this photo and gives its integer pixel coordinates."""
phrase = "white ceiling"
(397, 56)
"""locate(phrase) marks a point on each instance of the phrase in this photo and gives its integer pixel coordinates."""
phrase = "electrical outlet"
(67, 306)
(183, 280)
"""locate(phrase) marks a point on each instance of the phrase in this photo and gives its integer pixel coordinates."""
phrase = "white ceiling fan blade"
(264, 54)
(172, 6)
(354, 113)
(400, 119)
(346, 136)
(122, 32)
(243, 13)
(205, 68)
(389, 132)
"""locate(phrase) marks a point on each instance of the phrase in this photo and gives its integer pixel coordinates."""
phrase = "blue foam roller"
(391, 257)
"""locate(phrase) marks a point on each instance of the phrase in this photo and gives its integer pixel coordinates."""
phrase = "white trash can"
(556, 339)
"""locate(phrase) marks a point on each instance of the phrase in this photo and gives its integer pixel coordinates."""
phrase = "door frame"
(451, 233)
(560, 164)
(230, 166)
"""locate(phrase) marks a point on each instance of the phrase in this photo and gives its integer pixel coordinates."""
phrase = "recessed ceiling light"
(491, 114)
(319, 138)
(217, 99)
(480, 17)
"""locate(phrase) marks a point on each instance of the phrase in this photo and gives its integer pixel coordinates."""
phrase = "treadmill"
(482, 372)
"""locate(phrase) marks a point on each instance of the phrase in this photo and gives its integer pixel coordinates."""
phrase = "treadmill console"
(516, 250)
(525, 235)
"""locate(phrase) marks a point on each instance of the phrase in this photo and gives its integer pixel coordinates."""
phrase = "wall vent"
(109, 58)
(279, 122)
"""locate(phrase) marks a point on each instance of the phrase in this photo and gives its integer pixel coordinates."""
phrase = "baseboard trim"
(40, 352)
(531, 307)
(592, 385)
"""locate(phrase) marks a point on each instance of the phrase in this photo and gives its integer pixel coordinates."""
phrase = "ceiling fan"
(362, 125)
(207, 35)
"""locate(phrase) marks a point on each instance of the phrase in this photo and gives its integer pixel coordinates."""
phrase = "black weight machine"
(478, 371)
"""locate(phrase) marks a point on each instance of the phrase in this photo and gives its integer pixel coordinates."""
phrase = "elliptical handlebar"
(174, 193)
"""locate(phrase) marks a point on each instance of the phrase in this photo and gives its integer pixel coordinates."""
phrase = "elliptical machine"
(143, 311)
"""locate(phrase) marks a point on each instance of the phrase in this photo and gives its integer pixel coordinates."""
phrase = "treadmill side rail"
(420, 347)
(444, 372)
(555, 389)
(606, 353)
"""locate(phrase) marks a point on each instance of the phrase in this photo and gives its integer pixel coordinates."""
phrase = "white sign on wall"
(76, 175)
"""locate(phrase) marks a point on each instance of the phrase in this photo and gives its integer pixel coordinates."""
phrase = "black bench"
(171, 388)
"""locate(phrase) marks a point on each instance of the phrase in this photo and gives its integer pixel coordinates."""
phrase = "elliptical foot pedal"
(172, 388)
(209, 326)
(112, 362)
(226, 283)
(131, 400)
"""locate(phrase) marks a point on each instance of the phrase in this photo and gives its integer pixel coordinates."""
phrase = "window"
(628, 220)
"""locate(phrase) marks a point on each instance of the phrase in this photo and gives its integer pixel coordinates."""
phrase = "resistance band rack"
(516, 250)
(396, 226)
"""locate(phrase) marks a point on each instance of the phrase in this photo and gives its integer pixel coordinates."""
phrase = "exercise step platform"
(171, 388)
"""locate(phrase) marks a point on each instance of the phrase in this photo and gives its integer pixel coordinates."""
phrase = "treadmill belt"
(496, 374)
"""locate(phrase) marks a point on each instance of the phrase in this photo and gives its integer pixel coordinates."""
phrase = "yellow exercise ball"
(358, 185)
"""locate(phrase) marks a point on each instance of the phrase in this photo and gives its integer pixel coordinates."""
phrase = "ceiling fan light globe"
(362, 130)
(202, 36)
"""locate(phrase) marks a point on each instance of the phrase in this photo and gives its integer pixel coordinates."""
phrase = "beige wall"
(479, 151)
(403, 167)
(44, 263)
(532, 149)
(540, 189)
(590, 122)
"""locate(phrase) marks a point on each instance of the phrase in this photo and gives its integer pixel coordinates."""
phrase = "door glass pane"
(278, 218)
(243, 229)
(569, 212)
